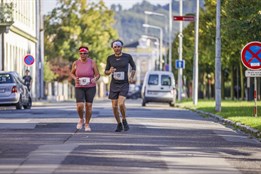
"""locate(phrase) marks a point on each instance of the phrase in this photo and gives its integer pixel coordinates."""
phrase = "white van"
(159, 86)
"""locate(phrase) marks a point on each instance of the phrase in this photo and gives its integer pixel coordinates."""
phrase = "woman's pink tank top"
(85, 69)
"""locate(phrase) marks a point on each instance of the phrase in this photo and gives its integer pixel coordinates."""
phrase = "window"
(165, 80)
(5, 78)
(153, 79)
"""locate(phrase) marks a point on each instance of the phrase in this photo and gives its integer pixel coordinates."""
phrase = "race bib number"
(118, 75)
(84, 81)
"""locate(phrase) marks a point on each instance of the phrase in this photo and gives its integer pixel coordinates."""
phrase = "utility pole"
(195, 69)
(180, 50)
(170, 32)
(218, 59)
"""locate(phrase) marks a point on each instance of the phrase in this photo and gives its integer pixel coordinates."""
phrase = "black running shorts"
(117, 90)
(85, 94)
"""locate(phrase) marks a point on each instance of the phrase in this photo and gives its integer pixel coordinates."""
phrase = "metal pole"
(180, 51)
(195, 70)
(170, 32)
(218, 60)
(255, 97)
(161, 43)
(41, 51)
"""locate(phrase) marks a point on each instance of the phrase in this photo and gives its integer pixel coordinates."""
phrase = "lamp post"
(218, 59)
(195, 66)
(157, 40)
(180, 50)
(161, 38)
(170, 30)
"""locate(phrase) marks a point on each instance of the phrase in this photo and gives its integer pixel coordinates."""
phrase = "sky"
(48, 5)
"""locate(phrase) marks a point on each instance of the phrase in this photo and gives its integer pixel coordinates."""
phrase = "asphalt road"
(161, 140)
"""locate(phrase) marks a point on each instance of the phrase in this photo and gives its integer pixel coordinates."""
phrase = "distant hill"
(129, 22)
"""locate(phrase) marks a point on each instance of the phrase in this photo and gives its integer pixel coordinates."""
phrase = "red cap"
(83, 50)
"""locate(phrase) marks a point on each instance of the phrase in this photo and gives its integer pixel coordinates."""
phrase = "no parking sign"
(29, 60)
(251, 55)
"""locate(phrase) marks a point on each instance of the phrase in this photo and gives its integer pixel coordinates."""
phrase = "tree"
(241, 25)
(48, 73)
(74, 23)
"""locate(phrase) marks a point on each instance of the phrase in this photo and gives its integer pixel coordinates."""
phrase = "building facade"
(25, 37)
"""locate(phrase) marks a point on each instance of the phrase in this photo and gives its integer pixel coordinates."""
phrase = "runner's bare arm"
(96, 72)
(73, 75)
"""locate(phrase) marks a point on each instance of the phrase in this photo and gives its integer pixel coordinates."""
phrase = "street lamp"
(157, 40)
(170, 29)
(157, 14)
(161, 38)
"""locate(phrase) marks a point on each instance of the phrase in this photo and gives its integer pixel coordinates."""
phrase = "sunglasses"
(83, 53)
(117, 47)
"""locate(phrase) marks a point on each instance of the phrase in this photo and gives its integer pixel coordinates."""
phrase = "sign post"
(251, 59)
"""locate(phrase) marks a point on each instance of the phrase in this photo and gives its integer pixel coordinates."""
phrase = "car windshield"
(6, 78)
(153, 79)
(165, 80)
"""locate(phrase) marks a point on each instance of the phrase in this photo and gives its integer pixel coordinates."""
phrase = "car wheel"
(171, 104)
(29, 104)
(19, 104)
(143, 102)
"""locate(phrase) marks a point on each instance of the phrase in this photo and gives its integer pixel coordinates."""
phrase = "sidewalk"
(247, 129)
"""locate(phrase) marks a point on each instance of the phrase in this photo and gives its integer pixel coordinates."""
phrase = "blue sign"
(29, 60)
(180, 64)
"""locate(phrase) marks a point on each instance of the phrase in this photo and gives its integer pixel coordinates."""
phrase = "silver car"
(13, 92)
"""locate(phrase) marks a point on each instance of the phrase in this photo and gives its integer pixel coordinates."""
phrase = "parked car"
(159, 86)
(13, 92)
(134, 92)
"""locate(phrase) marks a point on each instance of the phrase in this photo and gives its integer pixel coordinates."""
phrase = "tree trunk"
(222, 86)
(232, 82)
(242, 87)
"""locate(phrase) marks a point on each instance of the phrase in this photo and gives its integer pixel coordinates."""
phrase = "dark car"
(134, 92)
(13, 92)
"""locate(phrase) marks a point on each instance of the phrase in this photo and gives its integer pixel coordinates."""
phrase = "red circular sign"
(251, 55)
(29, 59)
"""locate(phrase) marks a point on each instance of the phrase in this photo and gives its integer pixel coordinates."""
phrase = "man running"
(117, 65)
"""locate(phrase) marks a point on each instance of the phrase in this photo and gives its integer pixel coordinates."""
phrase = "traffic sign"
(29, 60)
(183, 18)
(255, 73)
(180, 64)
(251, 55)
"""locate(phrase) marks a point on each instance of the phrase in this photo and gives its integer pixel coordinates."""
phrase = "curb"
(254, 132)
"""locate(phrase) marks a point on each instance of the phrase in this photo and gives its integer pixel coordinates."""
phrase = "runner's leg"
(88, 113)
(116, 110)
(122, 106)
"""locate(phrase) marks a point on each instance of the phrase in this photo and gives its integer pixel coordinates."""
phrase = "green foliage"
(48, 73)
(237, 111)
(6, 13)
(240, 24)
(74, 23)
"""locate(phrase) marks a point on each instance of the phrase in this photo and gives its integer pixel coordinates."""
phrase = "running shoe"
(87, 128)
(79, 124)
(125, 125)
(119, 128)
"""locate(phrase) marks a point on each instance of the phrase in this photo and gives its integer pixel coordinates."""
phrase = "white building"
(24, 37)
